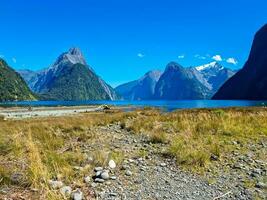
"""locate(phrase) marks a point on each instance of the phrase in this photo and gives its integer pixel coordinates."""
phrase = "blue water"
(166, 105)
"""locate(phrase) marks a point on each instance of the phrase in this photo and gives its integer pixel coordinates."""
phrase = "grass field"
(42, 148)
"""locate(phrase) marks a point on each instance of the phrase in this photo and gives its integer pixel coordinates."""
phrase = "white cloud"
(14, 60)
(217, 58)
(232, 61)
(200, 57)
(181, 56)
(140, 55)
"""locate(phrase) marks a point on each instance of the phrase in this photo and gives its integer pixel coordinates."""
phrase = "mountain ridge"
(209, 77)
(12, 85)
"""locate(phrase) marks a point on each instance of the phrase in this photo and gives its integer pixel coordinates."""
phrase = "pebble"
(55, 184)
(65, 191)
(112, 164)
(98, 173)
(93, 185)
(104, 175)
(124, 167)
(77, 195)
(87, 179)
(128, 173)
(98, 169)
(78, 168)
(163, 164)
(112, 194)
(99, 180)
(261, 185)
(113, 177)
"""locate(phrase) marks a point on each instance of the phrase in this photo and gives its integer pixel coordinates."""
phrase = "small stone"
(163, 164)
(113, 177)
(112, 194)
(77, 195)
(257, 171)
(238, 166)
(261, 185)
(87, 179)
(128, 173)
(124, 167)
(108, 183)
(98, 173)
(112, 164)
(99, 180)
(89, 159)
(98, 169)
(130, 160)
(93, 185)
(78, 168)
(214, 157)
(66, 191)
(104, 175)
(55, 184)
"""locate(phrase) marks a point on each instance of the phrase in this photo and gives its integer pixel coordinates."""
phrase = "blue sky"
(123, 39)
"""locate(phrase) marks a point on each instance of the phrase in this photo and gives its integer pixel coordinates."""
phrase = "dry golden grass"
(44, 148)
(194, 135)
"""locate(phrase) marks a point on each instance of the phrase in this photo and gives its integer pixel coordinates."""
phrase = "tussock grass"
(45, 148)
(196, 135)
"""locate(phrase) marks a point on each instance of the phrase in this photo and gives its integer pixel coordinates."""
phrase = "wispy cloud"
(141, 55)
(217, 58)
(181, 56)
(200, 57)
(232, 61)
(14, 60)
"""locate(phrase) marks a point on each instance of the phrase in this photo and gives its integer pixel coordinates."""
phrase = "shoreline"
(43, 111)
(25, 112)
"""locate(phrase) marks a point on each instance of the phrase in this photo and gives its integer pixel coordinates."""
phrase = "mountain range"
(177, 82)
(251, 81)
(69, 78)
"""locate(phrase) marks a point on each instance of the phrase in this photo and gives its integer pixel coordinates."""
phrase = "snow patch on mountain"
(209, 66)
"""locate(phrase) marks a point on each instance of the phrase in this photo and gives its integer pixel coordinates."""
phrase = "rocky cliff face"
(141, 89)
(251, 81)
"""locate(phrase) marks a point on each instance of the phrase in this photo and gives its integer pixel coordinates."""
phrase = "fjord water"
(165, 105)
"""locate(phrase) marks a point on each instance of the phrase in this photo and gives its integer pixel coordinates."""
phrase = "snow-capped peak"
(209, 66)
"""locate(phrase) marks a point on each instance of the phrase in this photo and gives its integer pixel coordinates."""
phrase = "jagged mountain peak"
(75, 51)
(73, 56)
(69, 78)
(173, 66)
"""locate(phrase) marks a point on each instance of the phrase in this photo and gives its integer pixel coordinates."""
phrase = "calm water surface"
(166, 105)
